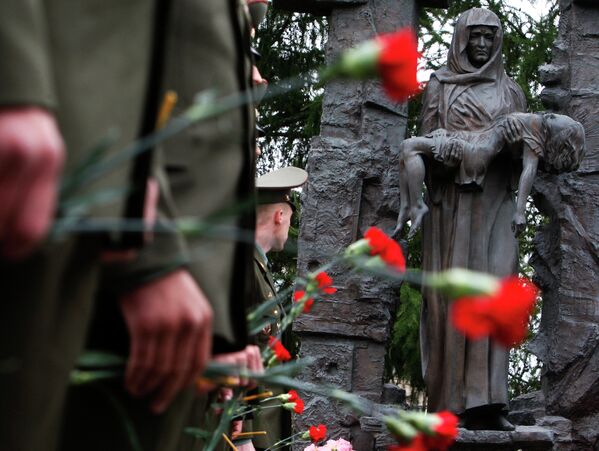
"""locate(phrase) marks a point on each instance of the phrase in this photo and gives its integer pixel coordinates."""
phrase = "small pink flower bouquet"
(332, 445)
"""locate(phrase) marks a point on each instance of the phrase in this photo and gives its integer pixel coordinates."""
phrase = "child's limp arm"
(530, 162)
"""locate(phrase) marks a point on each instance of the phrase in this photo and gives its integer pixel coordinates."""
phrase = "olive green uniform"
(89, 62)
(273, 421)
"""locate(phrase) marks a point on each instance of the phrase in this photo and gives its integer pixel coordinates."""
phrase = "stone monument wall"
(567, 249)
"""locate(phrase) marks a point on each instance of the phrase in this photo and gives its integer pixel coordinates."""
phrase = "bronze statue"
(468, 228)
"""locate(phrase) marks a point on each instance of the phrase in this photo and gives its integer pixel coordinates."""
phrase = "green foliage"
(290, 44)
(524, 368)
(403, 352)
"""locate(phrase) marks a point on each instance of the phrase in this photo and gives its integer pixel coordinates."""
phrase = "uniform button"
(276, 312)
(269, 295)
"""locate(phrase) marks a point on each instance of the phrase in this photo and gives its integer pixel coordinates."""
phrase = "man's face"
(281, 232)
(480, 44)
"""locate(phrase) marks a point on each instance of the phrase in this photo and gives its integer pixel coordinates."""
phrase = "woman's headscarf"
(459, 70)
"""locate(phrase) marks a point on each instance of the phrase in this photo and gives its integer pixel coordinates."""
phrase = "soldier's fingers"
(255, 359)
(167, 392)
(204, 344)
(176, 379)
(162, 365)
(179, 374)
(141, 356)
(202, 354)
(242, 363)
(186, 360)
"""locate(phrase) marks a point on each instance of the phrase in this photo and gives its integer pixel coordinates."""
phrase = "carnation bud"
(357, 63)
(421, 421)
(400, 429)
(360, 247)
(459, 282)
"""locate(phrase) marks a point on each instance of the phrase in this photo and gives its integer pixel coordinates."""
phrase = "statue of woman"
(468, 227)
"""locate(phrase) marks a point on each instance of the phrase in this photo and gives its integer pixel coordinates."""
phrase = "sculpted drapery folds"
(469, 225)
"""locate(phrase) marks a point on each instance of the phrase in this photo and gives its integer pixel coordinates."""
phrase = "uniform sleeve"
(429, 116)
(166, 253)
(25, 72)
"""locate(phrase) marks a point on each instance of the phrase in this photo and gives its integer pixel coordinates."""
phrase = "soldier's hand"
(249, 358)
(31, 158)
(249, 446)
(170, 325)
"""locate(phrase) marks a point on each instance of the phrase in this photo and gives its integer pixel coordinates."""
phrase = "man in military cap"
(273, 219)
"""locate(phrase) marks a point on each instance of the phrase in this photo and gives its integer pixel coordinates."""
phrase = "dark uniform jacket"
(273, 421)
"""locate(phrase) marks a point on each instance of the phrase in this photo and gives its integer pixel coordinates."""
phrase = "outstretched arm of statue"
(530, 162)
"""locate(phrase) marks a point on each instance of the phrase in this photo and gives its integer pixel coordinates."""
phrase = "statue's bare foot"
(397, 232)
(417, 214)
(401, 222)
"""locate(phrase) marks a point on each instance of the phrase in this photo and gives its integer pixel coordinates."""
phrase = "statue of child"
(554, 139)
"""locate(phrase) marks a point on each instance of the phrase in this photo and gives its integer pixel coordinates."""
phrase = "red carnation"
(445, 432)
(297, 297)
(281, 353)
(377, 240)
(308, 305)
(503, 315)
(398, 64)
(299, 406)
(318, 433)
(388, 249)
(324, 283)
(292, 396)
(417, 444)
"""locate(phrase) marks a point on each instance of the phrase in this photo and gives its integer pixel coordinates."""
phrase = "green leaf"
(100, 359)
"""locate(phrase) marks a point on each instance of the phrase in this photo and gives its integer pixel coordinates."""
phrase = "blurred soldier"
(206, 173)
(71, 72)
(273, 219)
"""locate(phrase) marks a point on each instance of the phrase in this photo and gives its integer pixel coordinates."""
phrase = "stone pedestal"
(567, 249)
(525, 438)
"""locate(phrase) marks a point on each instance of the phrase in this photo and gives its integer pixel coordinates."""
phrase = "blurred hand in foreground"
(32, 154)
